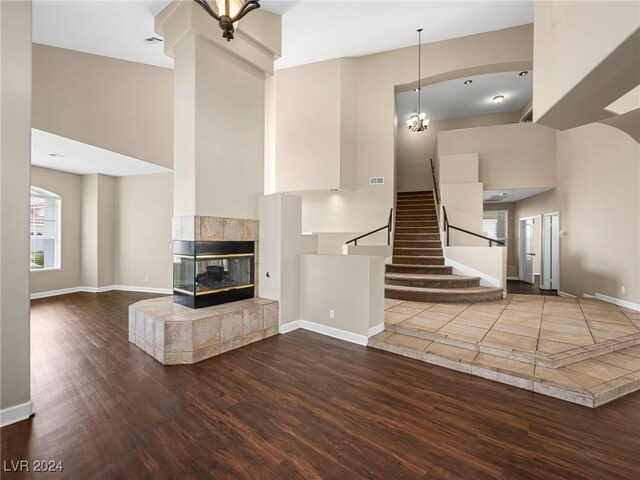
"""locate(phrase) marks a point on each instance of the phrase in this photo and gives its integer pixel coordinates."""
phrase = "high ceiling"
(313, 30)
(454, 99)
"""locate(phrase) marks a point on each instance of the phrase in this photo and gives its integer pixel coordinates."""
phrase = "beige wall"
(69, 187)
(106, 230)
(219, 143)
(601, 39)
(122, 106)
(512, 247)
(98, 231)
(15, 153)
(488, 263)
(144, 207)
(599, 204)
(413, 150)
(324, 281)
(378, 75)
(89, 232)
(521, 155)
(281, 244)
(320, 155)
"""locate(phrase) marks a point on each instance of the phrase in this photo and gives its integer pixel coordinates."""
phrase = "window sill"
(52, 269)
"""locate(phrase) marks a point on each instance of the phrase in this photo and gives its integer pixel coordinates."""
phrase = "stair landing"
(580, 350)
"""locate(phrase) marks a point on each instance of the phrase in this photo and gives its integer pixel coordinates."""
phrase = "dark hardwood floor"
(524, 288)
(299, 405)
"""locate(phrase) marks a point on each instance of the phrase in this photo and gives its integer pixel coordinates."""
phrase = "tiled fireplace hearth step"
(175, 334)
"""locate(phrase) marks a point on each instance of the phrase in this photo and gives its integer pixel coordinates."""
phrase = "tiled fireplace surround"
(175, 334)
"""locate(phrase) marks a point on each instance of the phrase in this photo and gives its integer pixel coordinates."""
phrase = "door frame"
(543, 253)
(521, 249)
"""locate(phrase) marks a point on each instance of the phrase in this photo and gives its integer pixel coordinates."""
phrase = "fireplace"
(211, 273)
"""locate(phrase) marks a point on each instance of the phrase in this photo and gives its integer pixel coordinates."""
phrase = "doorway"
(550, 261)
(527, 249)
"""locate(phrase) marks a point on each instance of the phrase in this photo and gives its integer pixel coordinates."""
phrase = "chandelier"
(418, 122)
(229, 13)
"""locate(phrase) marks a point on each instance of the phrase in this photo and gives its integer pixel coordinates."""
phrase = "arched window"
(45, 229)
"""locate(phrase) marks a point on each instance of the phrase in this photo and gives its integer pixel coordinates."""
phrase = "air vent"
(376, 180)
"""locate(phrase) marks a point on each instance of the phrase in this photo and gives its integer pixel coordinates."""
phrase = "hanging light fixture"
(418, 122)
(229, 13)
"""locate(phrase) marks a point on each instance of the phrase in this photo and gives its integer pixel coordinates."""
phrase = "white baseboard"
(586, 295)
(135, 288)
(462, 269)
(618, 301)
(564, 294)
(325, 330)
(17, 413)
(373, 331)
(108, 288)
(289, 327)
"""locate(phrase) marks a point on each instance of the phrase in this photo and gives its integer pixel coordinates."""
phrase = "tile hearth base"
(174, 334)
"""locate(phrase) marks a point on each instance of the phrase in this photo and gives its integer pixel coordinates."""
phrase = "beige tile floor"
(544, 326)
(541, 325)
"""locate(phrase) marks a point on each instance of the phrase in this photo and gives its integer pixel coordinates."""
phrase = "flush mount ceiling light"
(468, 82)
(230, 13)
(418, 122)
(523, 73)
(498, 99)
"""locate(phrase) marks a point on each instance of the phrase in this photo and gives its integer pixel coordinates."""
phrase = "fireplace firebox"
(211, 273)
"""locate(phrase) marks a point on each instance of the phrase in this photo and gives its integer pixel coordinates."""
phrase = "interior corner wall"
(15, 156)
(414, 149)
(106, 215)
(89, 232)
(512, 225)
(598, 177)
(69, 187)
(144, 208)
(130, 104)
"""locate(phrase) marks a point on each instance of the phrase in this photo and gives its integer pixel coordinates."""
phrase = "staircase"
(418, 272)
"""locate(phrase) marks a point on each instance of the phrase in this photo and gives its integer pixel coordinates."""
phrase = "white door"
(550, 251)
(527, 248)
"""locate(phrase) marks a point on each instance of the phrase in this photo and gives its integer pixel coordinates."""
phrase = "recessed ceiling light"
(498, 99)
(153, 40)
(468, 82)
(523, 73)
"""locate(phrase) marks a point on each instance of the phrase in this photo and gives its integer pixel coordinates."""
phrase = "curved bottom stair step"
(444, 295)
(419, 269)
(431, 281)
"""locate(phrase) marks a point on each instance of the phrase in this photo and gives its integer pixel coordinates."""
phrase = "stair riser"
(416, 204)
(418, 260)
(424, 270)
(417, 244)
(433, 283)
(416, 216)
(399, 236)
(436, 252)
(416, 223)
(410, 230)
(448, 297)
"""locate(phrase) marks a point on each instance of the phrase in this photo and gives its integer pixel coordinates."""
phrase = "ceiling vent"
(376, 180)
